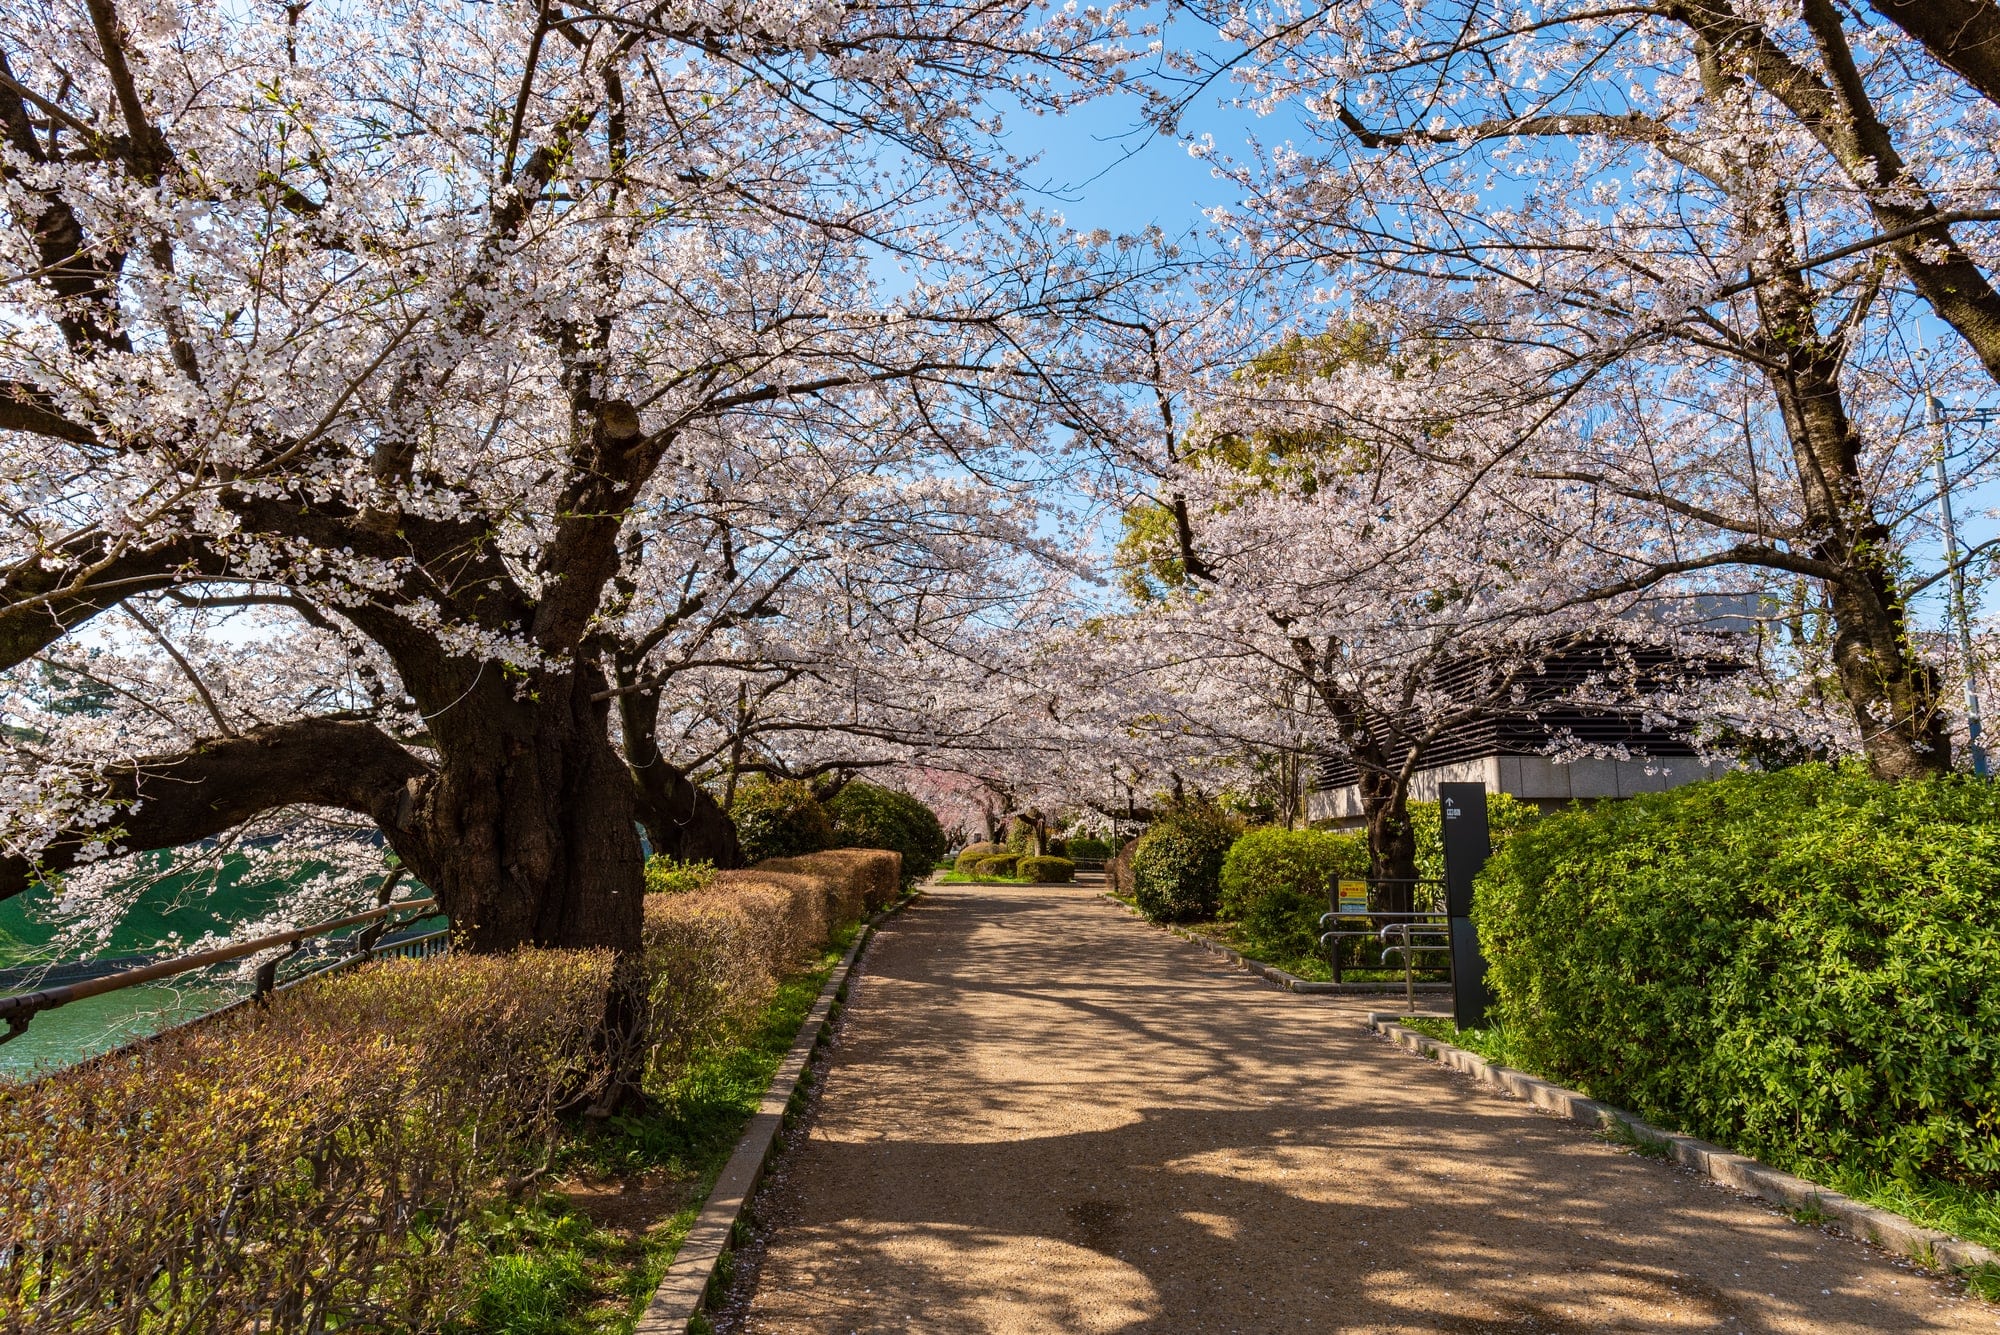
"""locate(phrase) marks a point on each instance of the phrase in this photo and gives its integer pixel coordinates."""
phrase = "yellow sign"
(1354, 896)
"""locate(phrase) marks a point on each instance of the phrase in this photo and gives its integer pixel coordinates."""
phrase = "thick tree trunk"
(1891, 693)
(527, 834)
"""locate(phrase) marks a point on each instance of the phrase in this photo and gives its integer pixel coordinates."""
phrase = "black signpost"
(1466, 848)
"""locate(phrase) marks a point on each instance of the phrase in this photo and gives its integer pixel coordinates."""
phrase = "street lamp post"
(1935, 419)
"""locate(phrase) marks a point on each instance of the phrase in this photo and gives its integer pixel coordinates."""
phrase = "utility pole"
(1934, 418)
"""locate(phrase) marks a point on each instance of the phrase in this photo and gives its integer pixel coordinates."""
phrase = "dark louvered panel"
(1523, 717)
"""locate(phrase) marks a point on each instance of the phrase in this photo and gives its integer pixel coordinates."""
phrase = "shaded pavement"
(1045, 1116)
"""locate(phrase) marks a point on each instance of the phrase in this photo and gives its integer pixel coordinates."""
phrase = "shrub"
(1805, 964)
(780, 819)
(1177, 865)
(999, 864)
(665, 876)
(1088, 847)
(1277, 882)
(867, 816)
(1506, 816)
(715, 956)
(1047, 871)
(305, 1165)
(969, 859)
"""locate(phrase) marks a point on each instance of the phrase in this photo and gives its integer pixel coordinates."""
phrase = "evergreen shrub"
(1089, 847)
(1506, 816)
(969, 859)
(780, 819)
(999, 864)
(1047, 871)
(1177, 865)
(665, 876)
(1276, 883)
(1804, 964)
(866, 815)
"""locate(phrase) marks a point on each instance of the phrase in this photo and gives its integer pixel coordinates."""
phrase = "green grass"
(959, 878)
(551, 1270)
(1962, 1211)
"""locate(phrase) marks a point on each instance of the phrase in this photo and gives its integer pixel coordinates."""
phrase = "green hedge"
(1276, 883)
(1047, 870)
(997, 864)
(780, 819)
(866, 815)
(1088, 847)
(969, 859)
(1177, 866)
(1804, 964)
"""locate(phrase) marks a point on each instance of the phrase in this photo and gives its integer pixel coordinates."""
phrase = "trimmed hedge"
(1088, 847)
(780, 819)
(998, 864)
(969, 859)
(1803, 964)
(866, 815)
(1177, 866)
(306, 1165)
(716, 954)
(1276, 883)
(1047, 871)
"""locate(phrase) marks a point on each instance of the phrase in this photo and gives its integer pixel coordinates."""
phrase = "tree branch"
(167, 801)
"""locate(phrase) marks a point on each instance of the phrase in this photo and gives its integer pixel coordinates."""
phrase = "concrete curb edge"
(1926, 1246)
(683, 1291)
(1271, 973)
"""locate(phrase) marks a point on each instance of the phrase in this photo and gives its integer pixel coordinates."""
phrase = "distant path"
(1044, 1116)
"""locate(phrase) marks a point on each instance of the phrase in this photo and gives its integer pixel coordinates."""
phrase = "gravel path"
(1043, 1115)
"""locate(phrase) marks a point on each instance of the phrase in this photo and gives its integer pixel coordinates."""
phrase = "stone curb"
(684, 1289)
(1891, 1232)
(1271, 973)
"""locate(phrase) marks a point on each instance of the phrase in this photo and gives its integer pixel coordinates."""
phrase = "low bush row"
(313, 1163)
(982, 861)
(307, 1165)
(1804, 964)
(716, 953)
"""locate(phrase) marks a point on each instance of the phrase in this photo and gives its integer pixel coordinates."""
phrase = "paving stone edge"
(1271, 973)
(1891, 1232)
(684, 1290)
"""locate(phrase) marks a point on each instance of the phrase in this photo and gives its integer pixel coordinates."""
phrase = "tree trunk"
(1392, 840)
(527, 834)
(683, 821)
(1891, 693)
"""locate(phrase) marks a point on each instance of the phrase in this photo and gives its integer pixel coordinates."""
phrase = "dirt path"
(1044, 1116)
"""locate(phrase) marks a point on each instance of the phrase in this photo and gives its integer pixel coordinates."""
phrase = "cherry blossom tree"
(394, 371)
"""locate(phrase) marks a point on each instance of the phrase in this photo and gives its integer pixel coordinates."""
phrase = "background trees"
(1706, 238)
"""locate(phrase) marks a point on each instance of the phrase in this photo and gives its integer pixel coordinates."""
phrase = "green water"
(177, 906)
(85, 1028)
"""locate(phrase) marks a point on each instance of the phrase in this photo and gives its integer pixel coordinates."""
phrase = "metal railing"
(21, 1009)
(1404, 933)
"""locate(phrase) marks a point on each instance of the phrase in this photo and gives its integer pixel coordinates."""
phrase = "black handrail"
(20, 1009)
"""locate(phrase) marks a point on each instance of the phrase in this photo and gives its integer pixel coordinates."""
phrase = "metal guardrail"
(19, 1010)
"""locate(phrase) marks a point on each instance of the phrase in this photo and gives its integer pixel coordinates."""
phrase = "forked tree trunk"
(527, 832)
